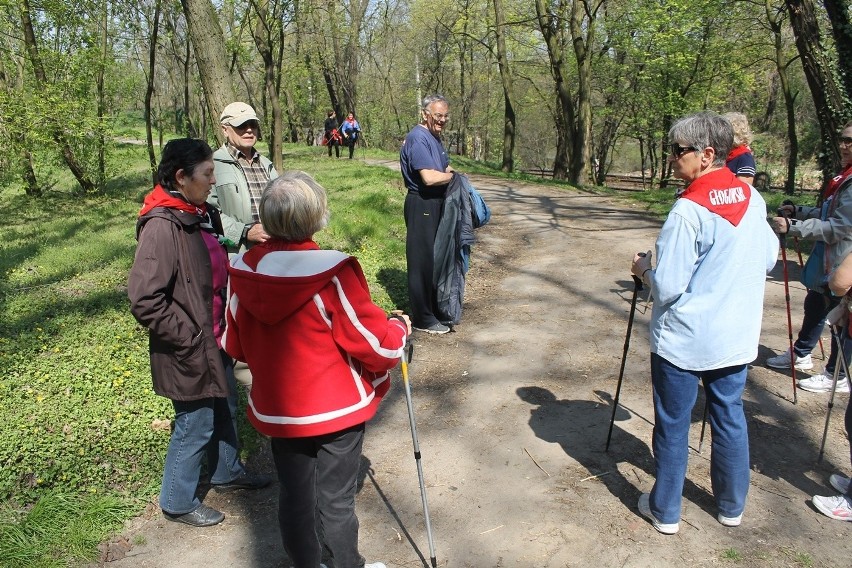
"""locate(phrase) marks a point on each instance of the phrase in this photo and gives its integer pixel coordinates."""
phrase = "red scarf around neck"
(738, 151)
(722, 193)
(836, 182)
(159, 197)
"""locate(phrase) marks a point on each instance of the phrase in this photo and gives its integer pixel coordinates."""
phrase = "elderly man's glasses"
(677, 150)
(439, 116)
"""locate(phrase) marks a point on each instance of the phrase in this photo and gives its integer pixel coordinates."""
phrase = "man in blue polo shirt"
(426, 171)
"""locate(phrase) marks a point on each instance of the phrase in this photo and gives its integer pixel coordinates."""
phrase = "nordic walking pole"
(406, 358)
(637, 286)
(783, 242)
(842, 356)
(703, 422)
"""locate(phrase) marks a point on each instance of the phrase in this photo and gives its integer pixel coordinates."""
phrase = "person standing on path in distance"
(830, 225)
(320, 351)
(713, 253)
(176, 289)
(332, 135)
(351, 130)
(839, 507)
(741, 159)
(241, 175)
(426, 172)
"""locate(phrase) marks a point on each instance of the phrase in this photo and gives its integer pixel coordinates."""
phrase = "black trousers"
(318, 477)
(422, 217)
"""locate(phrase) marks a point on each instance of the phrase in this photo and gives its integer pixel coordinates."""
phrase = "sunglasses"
(845, 140)
(249, 123)
(677, 150)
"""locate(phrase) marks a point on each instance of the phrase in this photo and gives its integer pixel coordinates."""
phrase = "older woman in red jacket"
(320, 351)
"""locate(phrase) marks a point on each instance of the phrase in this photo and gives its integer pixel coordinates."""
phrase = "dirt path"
(512, 413)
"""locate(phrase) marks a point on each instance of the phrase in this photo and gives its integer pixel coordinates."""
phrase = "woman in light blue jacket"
(713, 254)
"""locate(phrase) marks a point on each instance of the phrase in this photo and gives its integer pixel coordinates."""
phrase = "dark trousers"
(336, 149)
(318, 477)
(351, 144)
(422, 217)
(817, 306)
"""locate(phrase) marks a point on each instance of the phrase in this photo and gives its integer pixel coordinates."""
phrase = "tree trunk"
(828, 99)
(149, 91)
(583, 15)
(208, 42)
(564, 115)
(100, 175)
(775, 21)
(508, 164)
(264, 38)
(86, 184)
(841, 29)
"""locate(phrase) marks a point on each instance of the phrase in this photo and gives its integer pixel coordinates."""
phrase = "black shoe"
(436, 328)
(245, 481)
(203, 516)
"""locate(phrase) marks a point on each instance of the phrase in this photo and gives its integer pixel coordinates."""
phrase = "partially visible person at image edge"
(241, 174)
(713, 254)
(426, 172)
(176, 289)
(839, 507)
(830, 225)
(740, 159)
(320, 351)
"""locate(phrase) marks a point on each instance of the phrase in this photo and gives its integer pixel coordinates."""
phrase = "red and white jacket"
(318, 348)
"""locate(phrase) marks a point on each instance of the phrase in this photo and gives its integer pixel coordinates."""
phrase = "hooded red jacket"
(319, 349)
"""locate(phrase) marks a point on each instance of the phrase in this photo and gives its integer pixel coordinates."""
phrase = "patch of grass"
(58, 529)
(803, 559)
(731, 554)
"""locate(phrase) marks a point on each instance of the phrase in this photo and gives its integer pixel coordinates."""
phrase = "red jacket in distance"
(318, 348)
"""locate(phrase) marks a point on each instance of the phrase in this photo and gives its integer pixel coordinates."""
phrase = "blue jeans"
(675, 392)
(318, 479)
(202, 427)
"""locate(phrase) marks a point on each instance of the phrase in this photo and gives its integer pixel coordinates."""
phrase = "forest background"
(91, 89)
(579, 87)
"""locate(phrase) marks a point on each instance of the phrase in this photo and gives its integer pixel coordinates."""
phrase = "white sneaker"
(839, 482)
(375, 565)
(783, 361)
(645, 509)
(822, 383)
(730, 521)
(836, 507)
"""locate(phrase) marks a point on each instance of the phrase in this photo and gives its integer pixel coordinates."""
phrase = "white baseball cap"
(238, 113)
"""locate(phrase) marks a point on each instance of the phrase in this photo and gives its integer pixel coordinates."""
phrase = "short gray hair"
(742, 132)
(293, 207)
(704, 129)
(430, 99)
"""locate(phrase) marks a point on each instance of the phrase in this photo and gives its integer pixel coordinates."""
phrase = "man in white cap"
(241, 175)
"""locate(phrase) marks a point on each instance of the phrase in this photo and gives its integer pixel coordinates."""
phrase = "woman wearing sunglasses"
(713, 253)
(830, 225)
